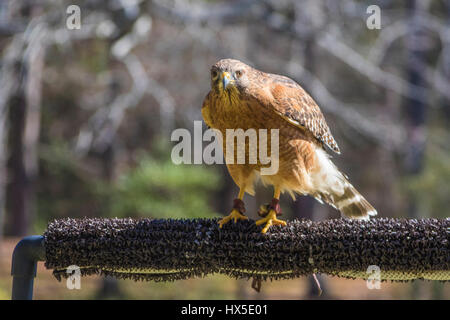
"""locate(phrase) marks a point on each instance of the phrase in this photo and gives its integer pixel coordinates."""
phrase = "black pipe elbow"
(26, 254)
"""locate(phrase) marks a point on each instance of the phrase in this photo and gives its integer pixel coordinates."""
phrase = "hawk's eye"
(238, 73)
(214, 74)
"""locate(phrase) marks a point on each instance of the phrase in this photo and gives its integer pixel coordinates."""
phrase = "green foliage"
(154, 186)
(431, 188)
(66, 187)
(161, 189)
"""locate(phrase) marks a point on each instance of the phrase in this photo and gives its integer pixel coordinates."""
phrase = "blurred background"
(86, 116)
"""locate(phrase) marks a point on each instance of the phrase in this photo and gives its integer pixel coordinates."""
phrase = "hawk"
(242, 97)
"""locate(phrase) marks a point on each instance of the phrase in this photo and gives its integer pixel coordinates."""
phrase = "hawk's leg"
(270, 213)
(238, 210)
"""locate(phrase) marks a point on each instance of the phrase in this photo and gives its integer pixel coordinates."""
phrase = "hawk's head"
(229, 76)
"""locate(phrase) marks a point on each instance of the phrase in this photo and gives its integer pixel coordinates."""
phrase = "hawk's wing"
(292, 103)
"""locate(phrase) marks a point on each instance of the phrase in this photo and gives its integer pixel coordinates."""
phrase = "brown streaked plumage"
(242, 97)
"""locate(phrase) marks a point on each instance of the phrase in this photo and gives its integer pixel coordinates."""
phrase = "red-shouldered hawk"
(242, 97)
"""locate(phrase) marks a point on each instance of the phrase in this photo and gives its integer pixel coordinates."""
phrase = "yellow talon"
(269, 220)
(235, 215)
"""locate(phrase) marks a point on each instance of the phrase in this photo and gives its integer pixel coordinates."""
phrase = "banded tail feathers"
(333, 188)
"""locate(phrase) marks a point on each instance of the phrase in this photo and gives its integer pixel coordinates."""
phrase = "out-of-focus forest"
(86, 117)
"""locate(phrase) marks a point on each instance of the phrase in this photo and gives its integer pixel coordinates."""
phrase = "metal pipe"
(26, 254)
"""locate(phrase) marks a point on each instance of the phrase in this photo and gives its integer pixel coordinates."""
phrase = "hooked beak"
(226, 78)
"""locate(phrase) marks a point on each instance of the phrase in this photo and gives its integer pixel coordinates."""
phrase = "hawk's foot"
(236, 214)
(270, 213)
(270, 220)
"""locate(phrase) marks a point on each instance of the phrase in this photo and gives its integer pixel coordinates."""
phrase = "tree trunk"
(415, 110)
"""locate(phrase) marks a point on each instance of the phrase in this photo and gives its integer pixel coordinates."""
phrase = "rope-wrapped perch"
(165, 250)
